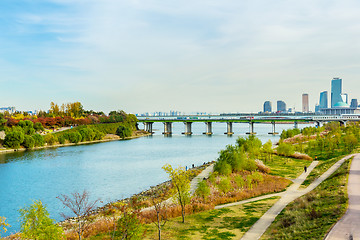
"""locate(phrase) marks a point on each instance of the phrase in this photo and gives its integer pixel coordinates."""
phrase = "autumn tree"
(3, 225)
(181, 183)
(81, 206)
(36, 223)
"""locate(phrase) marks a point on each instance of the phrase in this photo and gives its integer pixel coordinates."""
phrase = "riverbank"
(107, 138)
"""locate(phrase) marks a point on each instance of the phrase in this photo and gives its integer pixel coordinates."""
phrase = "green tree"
(39, 140)
(2, 122)
(27, 126)
(350, 142)
(123, 132)
(128, 225)
(267, 150)
(180, 180)
(50, 139)
(13, 139)
(29, 142)
(3, 225)
(203, 190)
(38, 127)
(285, 149)
(36, 223)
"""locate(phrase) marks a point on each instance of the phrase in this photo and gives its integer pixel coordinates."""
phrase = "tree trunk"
(183, 213)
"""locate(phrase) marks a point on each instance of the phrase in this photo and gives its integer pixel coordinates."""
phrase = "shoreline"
(137, 134)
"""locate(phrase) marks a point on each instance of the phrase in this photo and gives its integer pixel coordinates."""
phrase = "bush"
(239, 180)
(74, 137)
(123, 132)
(203, 190)
(13, 139)
(285, 149)
(29, 142)
(38, 127)
(61, 139)
(27, 126)
(50, 139)
(39, 140)
(222, 168)
(224, 185)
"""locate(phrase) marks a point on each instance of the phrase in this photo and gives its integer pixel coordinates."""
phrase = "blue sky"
(205, 55)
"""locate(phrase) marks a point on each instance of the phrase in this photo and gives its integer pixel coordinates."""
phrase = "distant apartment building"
(354, 103)
(305, 103)
(336, 91)
(281, 106)
(267, 107)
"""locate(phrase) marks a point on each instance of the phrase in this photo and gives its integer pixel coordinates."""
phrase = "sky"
(190, 56)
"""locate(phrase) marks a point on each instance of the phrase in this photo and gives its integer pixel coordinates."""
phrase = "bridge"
(229, 119)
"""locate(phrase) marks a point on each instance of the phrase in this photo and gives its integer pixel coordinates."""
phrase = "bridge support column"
(167, 128)
(296, 124)
(273, 132)
(342, 123)
(187, 128)
(229, 129)
(208, 128)
(251, 128)
(148, 127)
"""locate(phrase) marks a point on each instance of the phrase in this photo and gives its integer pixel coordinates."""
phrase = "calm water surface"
(109, 171)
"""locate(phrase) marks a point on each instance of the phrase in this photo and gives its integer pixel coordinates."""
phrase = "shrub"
(239, 180)
(50, 139)
(203, 190)
(222, 168)
(38, 127)
(39, 140)
(123, 132)
(285, 149)
(13, 139)
(29, 142)
(74, 137)
(224, 185)
(61, 139)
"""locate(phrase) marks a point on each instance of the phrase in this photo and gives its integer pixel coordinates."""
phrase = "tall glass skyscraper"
(281, 106)
(323, 103)
(267, 106)
(336, 90)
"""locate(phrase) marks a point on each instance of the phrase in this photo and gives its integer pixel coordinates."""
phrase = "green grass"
(312, 215)
(287, 167)
(225, 223)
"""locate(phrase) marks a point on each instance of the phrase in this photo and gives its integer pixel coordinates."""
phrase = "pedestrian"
(193, 166)
(305, 168)
(185, 168)
(315, 158)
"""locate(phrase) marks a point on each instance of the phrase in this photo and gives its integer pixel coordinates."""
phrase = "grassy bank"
(312, 215)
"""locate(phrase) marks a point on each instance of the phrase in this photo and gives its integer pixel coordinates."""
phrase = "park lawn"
(286, 167)
(312, 215)
(225, 223)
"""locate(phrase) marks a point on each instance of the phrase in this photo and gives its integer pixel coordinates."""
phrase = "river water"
(111, 170)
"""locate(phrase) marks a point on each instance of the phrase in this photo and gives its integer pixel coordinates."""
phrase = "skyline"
(190, 56)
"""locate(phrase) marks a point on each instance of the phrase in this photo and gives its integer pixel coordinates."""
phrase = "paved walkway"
(258, 229)
(349, 225)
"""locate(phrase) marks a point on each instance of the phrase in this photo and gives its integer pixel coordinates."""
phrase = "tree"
(159, 205)
(123, 132)
(3, 225)
(2, 122)
(80, 205)
(36, 223)
(180, 180)
(13, 139)
(29, 142)
(128, 225)
(268, 150)
(285, 149)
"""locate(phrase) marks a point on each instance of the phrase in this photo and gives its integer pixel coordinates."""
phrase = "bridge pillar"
(167, 128)
(208, 128)
(296, 124)
(273, 129)
(251, 128)
(342, 123)
(187, 128)
(229, 129)
(148, 127)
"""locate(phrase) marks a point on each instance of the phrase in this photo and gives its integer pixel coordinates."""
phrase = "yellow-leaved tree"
(181, 183)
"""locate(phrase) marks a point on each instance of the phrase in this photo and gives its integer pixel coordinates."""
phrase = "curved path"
(258, 229)
(348, 227)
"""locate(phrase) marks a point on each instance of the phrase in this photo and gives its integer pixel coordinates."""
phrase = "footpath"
(348, 227)
(292, 193)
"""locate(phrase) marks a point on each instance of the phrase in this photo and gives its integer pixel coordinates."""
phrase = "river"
(110, 170)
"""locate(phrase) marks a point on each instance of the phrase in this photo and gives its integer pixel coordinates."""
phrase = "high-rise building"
(267, 106)
(305, 103)
(323, 103)
(281, 106)
(354, 103)
(336, 91)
